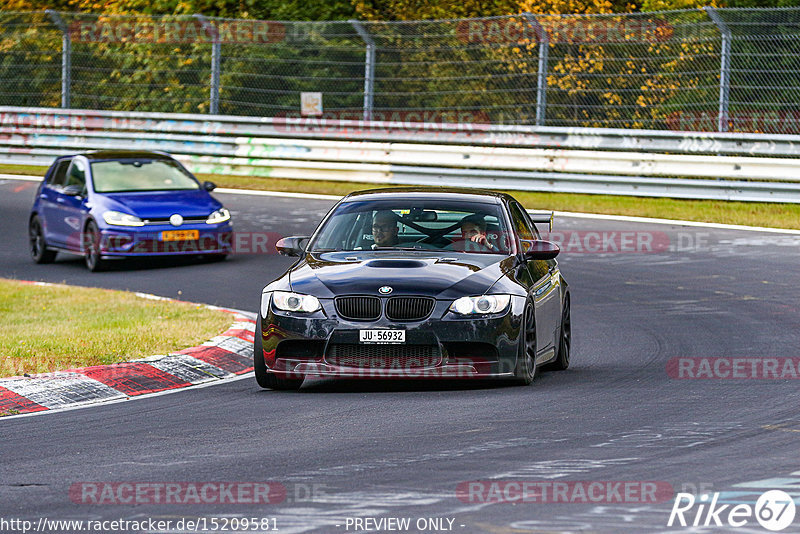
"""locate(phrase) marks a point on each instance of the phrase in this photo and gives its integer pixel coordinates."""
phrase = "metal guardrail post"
(541, 79)
(66, 57)
(724, 68)
(369, 67)
(216, 50)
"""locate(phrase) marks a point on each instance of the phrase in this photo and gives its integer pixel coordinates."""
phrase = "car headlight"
(480, 305)
(117, 218)
(295, 302)
(221, 215)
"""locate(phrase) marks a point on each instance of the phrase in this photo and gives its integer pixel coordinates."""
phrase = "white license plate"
(382, 336)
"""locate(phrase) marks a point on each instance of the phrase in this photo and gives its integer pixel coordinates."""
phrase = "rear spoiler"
(546, 217)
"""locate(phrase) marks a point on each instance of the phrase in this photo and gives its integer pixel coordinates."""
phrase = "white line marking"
(27, 177)
(675, 222)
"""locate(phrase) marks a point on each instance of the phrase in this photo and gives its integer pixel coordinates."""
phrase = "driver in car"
(384, 229)
(473, 230)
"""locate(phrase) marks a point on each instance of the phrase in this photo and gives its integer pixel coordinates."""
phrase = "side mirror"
(291, 246)
(538, 249)
(73, 190)
(209, 186)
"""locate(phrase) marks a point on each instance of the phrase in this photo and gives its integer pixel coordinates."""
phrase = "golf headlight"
(118, 218)
(221, 215)
(295, 302)
(480, 305)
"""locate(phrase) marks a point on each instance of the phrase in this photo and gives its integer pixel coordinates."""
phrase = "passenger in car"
(473, 235)
(384, 229)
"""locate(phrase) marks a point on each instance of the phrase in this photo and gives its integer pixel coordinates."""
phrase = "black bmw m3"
(416, 283)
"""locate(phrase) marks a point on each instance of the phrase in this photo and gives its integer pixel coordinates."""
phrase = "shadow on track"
(141, 263)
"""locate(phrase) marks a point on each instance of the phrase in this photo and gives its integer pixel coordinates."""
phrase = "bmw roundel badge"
(384, 290)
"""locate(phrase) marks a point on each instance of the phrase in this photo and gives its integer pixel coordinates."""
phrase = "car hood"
(154, 204)
(327, 275)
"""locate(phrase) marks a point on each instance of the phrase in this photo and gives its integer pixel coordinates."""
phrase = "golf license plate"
(382, 336)
(180, 235)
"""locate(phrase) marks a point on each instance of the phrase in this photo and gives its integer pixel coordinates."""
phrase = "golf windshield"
(452, 226)
(140, 175)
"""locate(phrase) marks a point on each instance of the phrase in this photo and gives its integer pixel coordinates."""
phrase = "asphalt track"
(347, 449)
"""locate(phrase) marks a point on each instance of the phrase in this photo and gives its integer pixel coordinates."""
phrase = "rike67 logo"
(774, 510)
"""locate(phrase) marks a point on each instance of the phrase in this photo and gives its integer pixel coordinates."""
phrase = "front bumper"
(148, 241)
(444, 345)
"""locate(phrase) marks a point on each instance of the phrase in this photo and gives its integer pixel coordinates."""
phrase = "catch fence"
(707, 69)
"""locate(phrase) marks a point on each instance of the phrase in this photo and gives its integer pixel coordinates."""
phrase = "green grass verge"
(34, 170)
(747, 213)
(50, 328)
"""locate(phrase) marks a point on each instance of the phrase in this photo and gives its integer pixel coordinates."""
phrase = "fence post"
(541, 79)
(724, 68)
(216, 50)
(66, 57)
(369, 67)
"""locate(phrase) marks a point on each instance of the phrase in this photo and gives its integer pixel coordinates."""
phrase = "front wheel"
(91, 248)
(264, 378)
(525, 371)
(38, 246)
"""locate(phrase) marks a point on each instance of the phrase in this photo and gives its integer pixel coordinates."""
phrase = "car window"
(140, 175)
(454, 226)
(520, 220)
(59, 176)
(76, 174)
(536, 234)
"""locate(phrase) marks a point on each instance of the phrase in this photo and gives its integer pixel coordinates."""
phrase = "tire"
(565, 341)
(91, 247)
(38, 246)
(264, 378)
(525, 371)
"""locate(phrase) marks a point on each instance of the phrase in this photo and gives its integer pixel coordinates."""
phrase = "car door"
(543, 289)
(555, 289)
(68, 211)
(48, 203)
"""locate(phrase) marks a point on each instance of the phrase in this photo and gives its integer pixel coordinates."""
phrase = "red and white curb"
(225, 356)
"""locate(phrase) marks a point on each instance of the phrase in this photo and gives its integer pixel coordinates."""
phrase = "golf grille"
(359, 308)
(409, 308)
(383, 356)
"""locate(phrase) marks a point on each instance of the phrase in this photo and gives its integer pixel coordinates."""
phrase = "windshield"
(451, 226)
(140, 175)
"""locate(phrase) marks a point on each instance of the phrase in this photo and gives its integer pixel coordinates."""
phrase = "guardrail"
(722, 166)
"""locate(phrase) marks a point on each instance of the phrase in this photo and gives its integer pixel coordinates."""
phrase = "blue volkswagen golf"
(114, 204)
